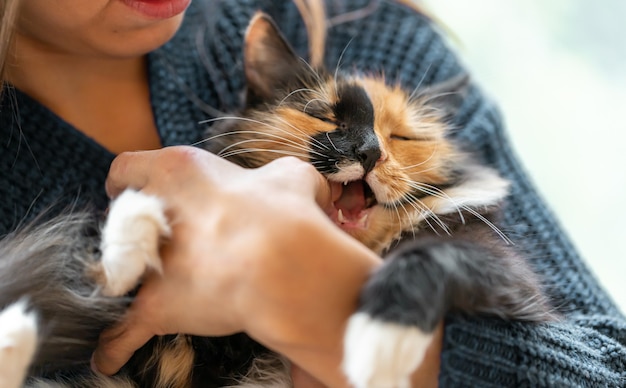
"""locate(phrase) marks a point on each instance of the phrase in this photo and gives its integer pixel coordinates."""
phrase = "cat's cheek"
(386, 186)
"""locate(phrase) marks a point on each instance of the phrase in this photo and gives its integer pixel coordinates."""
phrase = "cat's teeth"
(340, 216)
(345, 183)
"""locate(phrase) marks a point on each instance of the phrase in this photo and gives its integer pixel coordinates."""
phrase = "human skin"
(85, 61)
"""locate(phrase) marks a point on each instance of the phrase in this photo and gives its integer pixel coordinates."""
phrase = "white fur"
(483, 187)
(380, 354)
(130, 240)
(348, 173)
(18, 342)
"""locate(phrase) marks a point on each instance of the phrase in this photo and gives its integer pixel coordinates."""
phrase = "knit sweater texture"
(48, 165)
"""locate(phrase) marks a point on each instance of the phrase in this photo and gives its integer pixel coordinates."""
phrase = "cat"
(408, 192)
(402, 179)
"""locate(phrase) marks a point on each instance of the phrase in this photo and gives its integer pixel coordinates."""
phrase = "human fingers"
(118, 344)
(129, 169)
(302, 178)
(163, 168)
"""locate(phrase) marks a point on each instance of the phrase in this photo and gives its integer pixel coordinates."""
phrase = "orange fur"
(175, 360)
(425, 158)
(295, 109)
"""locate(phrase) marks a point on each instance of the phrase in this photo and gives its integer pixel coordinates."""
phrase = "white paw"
(18, 343)
(130, 240)
(380, 354)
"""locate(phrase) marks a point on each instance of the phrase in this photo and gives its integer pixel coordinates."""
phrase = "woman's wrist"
(313, 298)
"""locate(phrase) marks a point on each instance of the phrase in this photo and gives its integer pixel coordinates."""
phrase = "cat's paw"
(18, 343)
(131, 237)
(381, 354)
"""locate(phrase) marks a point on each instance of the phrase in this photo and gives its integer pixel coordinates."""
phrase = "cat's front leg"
(381, 354)
(387, 338)
(404, 300)
(130, 243)
(18, 343)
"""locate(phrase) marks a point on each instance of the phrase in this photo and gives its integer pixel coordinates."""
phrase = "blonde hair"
(316, 22)
(8, 15)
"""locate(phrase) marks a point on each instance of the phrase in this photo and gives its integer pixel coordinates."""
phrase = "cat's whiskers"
(435, 192)
(433, 168)
(311, 138)
(400, 223)
(438, 193)
(500, 233)
(320, 82)
(429, 112)
(333, 144)
(426, 213)
(422, 162)
(220, 118)
(432, 97)
(251, 150)
(336, 75)
(277, 128)
(313, 91)
(310, 101)
(395, 208)
(294, 135)
(239, 143)
(419, 84)
(287, 142)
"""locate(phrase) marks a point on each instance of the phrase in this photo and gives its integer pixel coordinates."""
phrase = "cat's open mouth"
(353, 205)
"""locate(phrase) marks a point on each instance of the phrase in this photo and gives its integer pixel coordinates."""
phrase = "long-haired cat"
(401, 178)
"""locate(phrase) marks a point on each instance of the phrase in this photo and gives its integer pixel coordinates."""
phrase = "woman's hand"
(252, 250)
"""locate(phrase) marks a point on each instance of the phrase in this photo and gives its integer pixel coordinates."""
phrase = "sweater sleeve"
(587, 347)
(581, 351)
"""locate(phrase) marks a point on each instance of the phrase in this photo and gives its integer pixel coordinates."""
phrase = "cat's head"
(386, 150)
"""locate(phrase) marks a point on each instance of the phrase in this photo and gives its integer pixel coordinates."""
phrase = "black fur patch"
(354, 139)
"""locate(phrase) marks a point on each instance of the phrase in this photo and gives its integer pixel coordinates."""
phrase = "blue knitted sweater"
(46, 164)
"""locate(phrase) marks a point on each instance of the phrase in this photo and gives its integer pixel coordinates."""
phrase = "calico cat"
(408, 192)
(402, 179)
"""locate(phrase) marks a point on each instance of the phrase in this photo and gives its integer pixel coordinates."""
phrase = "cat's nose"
(368, 154)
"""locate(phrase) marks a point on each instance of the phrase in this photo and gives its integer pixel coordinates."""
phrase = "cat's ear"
(269, 61)
(447, 96)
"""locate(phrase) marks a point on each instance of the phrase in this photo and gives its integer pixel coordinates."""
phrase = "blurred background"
(558, 71)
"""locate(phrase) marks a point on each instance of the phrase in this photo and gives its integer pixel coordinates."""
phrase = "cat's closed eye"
(399, 137)
(342, 125)
(323, 118)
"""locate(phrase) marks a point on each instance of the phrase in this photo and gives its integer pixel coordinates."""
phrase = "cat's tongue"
(350, 205)
(352, 198)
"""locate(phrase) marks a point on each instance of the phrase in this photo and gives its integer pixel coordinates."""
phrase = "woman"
(74, 69)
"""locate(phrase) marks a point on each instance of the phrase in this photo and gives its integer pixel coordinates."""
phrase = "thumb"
(324, 192)
(118, 344)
